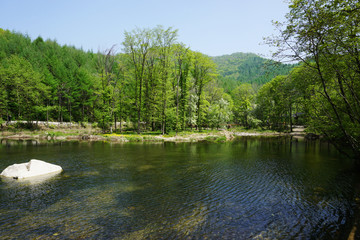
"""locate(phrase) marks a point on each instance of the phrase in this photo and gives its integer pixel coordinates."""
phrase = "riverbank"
(78, 133)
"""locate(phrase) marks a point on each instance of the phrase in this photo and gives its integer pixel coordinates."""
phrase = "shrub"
(215, 139)
(254, 122)
(220, 139)
(134, 138)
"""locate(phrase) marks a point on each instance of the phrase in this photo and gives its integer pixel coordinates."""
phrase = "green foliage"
(239, 68)
(220, 105)
(149, 54)
(324, 35)
(51, 77)
(55, 134)
(22, 90)
(203, 72)
(156, 84)
(134, 138)
(253, 122)
(243, 97)
(277, 101)
(215, 139)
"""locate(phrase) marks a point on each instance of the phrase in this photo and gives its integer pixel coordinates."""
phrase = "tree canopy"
(324, 36)
(157, 83)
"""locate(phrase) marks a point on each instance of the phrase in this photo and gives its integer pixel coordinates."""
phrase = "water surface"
(252, 188)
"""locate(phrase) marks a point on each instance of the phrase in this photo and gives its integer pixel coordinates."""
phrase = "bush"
(215, 139)
(83, 124)
(254, 122)
(51, 134)
(55, 134)
(220, 139)
(134, 138)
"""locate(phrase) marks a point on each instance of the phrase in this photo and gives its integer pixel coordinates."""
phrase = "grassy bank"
(78, 132)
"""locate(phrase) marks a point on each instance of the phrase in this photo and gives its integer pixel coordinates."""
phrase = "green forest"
(153, 82)
(156, 83)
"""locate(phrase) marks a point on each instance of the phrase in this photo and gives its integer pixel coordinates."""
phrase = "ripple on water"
(182, 191)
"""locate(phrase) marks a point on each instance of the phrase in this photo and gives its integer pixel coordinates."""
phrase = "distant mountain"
(240, 68)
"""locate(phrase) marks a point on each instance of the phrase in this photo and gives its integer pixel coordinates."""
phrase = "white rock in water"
(33, 168)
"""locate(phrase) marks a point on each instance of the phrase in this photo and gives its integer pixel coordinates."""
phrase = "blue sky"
(213, 27)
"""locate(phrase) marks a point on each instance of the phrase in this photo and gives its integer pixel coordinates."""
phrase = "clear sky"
(213, 27)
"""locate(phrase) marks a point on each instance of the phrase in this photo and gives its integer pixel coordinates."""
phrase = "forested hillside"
(240, 68)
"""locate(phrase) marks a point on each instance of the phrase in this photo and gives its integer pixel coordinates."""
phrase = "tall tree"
(203, 71)
(137, 45)
(243, 96)
(23, 89)
(182, 58)
(276, 103)
(165, 38)
(220, 106)
(108, 79)
(324, 35)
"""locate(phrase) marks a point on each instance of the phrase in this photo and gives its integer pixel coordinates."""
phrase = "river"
(250, 188)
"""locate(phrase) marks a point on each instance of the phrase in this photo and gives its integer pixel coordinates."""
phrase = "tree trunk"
(198, 120)
(47, 114)
(177, 104)
(290, 118)
(163, 128)
(70, 110)
(115, 121)
(60, 106)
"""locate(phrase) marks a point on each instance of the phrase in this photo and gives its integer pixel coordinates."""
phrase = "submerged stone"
(33, 168)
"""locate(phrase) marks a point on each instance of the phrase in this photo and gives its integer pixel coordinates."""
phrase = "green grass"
(61, 134)
(190, 132)
(215, 139)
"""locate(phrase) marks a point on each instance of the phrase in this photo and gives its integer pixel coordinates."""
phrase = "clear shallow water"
(253, 188)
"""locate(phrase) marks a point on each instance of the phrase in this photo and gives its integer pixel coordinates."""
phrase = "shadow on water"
(251, 188)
